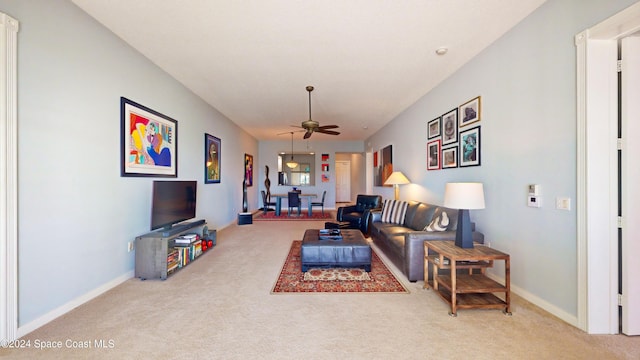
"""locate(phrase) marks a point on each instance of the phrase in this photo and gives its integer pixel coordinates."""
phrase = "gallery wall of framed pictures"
(454, 138)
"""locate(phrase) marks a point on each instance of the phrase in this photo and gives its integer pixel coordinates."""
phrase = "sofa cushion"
(452, 214)
(419, 215)
(439, 223)
(394, 211)
(393, 229)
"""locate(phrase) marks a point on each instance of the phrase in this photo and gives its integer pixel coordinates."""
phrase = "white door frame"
(8, 179)
(336, 165)
(597, 163)
(630, 92)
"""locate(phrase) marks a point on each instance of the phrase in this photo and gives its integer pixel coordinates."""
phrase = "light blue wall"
(76, 214)
(527, 80)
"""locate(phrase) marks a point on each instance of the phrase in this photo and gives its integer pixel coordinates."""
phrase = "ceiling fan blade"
(328, 127)
(307, 134)
(330, 132)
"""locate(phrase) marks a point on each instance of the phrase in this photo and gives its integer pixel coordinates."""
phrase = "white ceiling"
(367, 59)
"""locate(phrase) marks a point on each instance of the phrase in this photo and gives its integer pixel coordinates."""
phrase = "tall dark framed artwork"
(450, 127)
(433, 155)
(470, 146)
(470, 112)
(212, 157)
(248, 169)
(148, 142)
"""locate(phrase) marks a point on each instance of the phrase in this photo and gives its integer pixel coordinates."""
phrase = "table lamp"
(397, 178)
(464, 197)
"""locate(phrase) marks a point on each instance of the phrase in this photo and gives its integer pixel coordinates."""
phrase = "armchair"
(358, 215)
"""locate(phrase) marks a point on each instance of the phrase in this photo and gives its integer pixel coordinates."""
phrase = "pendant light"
(292, 164)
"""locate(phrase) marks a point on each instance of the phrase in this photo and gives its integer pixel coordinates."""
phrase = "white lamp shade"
(464, 196)
(396, 178)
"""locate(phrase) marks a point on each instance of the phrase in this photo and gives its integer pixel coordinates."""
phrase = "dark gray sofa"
(404, 244)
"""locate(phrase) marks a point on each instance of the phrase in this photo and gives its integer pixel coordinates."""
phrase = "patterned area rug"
(271, 216)
(343, 274)
(293, 280)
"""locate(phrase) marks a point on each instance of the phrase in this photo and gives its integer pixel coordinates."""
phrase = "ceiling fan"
(311, 126)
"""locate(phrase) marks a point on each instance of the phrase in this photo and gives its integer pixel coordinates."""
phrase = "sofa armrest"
(343, 210)
(366, 221)
(375, 215)
(414, 249)
(414, 243)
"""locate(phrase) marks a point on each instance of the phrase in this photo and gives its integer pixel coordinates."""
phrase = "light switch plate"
(563, 203)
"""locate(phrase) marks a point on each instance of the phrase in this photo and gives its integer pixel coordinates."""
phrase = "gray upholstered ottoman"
(352, 250)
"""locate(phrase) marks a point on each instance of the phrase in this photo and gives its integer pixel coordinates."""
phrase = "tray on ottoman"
(351, 250)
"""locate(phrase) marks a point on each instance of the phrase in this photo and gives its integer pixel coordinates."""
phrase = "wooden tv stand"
(152, 250)
(467, 290)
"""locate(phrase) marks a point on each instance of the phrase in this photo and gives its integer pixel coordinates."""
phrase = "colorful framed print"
(470, 147)
(470, 112)
(450, 127)
(383, 165)
(433, 154)
(433, 128)
(248, 169)
(212, 148)
(450, 157)
(148, 142)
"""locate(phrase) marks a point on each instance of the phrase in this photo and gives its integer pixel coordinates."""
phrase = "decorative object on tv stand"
(396, 179)
(464, 197)
(292, 164)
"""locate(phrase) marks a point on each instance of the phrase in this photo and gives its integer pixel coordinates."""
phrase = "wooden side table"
(469, 290)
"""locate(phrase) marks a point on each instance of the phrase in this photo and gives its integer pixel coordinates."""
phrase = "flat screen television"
(172, 202)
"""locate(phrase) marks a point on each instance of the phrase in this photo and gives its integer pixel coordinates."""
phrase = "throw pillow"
(394, 211)
(439, 223)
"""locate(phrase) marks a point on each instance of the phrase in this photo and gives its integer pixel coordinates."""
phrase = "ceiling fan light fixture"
(312, 126)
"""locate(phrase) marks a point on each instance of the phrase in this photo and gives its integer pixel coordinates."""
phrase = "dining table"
(279, 198)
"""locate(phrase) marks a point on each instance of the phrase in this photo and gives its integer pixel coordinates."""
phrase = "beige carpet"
(220, 307)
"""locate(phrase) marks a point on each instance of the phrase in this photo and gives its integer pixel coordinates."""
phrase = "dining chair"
(294, 201)
(319, 203)
(265, 203)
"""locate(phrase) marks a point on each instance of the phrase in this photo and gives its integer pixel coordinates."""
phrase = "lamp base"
(464, 239)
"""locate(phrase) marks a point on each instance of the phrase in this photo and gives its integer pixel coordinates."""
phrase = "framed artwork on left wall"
(212, 148)
(148, 141)
(248, 169)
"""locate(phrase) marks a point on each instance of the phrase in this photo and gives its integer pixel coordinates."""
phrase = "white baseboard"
(539, 302)
(50, 316)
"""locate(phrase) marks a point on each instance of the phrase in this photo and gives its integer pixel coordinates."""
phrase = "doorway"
(343, 181)
(597, 190)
